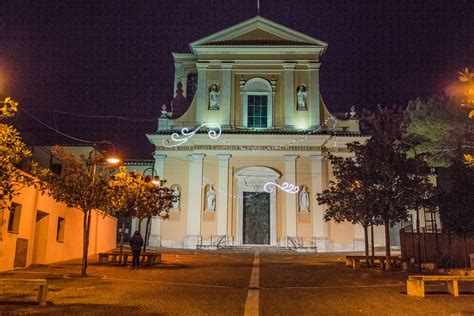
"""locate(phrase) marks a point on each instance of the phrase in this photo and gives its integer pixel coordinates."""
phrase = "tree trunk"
(466, 255)
(366, 244)
(147, 228)
(85, 250)
(388, 256)
(372, 241)
(122, 236)
(449, 249)
(418, 239)
(140, 225)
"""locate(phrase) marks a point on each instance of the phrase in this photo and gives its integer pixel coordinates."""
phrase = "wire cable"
(61, 133)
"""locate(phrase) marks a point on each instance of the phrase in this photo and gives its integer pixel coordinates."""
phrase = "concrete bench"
(355, 261)
(42, 290)
(149, 258)
(416, 283)
(109, 257)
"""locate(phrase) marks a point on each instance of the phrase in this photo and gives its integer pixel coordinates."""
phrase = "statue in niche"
(210, 199)
(214, 97)
(176, 198)
(301, 101)
(304, 200)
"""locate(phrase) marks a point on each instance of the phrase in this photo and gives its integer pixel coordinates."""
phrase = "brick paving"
(216, 283)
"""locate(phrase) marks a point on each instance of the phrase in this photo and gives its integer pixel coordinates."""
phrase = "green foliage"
(77, 186)
(438, 126)
(379, 184)
(457, 200)
(346, 197)
(13, 152)
(82, 185)
(133, 196)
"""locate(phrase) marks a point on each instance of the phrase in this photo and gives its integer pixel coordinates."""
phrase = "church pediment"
(257, 31)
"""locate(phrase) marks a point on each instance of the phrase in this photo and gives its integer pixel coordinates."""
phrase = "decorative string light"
(287, 187)
(216, 131)
(291, 142)
(186, 135)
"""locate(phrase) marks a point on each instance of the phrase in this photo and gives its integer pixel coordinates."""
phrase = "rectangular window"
(257, 111)
(14, 219)
(60, 232)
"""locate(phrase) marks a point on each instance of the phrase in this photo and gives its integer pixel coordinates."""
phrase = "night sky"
(113, 58)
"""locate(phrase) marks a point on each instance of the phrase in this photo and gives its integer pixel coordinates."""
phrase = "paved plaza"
(228, 283)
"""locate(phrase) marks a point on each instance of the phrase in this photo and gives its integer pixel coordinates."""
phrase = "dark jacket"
(136, 242)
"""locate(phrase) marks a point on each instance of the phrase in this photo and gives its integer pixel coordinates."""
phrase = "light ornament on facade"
(179, 139)
(287, 187)
(293, 141)
(216, 131)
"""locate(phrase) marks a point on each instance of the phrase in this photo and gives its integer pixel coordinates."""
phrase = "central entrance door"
(256, 218)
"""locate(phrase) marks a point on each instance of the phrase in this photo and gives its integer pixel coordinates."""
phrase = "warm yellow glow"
(113, 160)
(302, 123)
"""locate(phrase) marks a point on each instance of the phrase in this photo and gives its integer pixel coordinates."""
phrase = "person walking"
(136, 243)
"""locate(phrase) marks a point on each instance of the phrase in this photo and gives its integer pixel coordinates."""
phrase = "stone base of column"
(359, 244)
(322, 244)
(191, 241)
(154, 240)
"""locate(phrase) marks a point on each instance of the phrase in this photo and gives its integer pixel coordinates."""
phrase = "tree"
(457, 200)
(132, 195)
(467, 79)
(13, 152)
(82, 185)
(346, 198)
(437, 127)
(394, 181)
(380, 183)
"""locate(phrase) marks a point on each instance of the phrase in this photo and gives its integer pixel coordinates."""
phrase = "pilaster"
(319, 172)
(193, 220)
(222, 194)
(359, 238)
(313, 90)
(289, 94)
(155, 225)
(159, 164)
(290, 205)
(202, 99)
(178, 73)
(226, 88)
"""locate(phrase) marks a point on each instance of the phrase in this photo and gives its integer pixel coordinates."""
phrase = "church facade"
(247, 157)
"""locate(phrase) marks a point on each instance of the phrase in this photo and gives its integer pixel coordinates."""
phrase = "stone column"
(313, 91)
(155, 225)
(290, 205)
(193, 224)
(222, 194)
(225, 94)
(202, 93)
(319, 171)
(289, 94)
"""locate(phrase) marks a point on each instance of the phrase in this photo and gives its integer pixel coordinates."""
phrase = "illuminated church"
(249, 153)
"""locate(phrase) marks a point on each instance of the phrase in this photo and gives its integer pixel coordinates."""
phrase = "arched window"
(257, 104)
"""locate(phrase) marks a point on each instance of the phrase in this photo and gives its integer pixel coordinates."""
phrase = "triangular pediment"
(258, 31)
